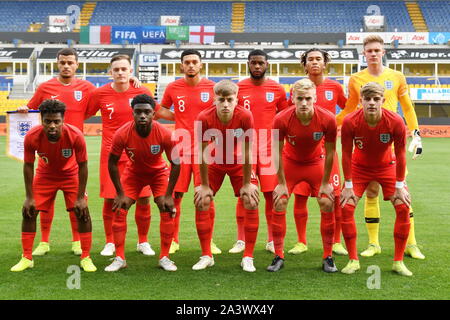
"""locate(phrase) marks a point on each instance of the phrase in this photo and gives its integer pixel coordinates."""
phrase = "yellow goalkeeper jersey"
(396, 90)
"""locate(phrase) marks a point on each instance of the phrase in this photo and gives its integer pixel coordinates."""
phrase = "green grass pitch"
(300, 279)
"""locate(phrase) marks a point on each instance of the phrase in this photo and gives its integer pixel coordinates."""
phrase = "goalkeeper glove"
(416, 144)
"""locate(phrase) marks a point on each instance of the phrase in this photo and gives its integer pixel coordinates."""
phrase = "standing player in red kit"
(264, 98)
(144, 141)
(373, 130)
(301, 159)
(75, 94)
(189, 96)
(113, 100)
(62, 166)
(225, 134)
(329, 95)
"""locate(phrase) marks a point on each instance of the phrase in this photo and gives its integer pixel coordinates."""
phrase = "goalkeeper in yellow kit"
(396, 91)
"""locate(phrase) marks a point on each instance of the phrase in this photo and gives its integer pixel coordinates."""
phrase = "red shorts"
(303, 188)
(134, 185)
(267, 175)
(45, 189)
(386, 177)
(186, 172)
(310, 175)
(216, 174)
(107, 189)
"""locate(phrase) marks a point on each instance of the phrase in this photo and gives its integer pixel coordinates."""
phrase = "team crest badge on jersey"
(238, 132)
(317, 135)
(155, 148)
(388, 84)
(23, 127)
(329, 95)
(291, 139)
(204, 96)
(78, 95)
(270, 96)
(385, 137)
(66, 153)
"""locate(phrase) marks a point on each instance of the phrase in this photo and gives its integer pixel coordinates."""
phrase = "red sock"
(251, 231)
(240, 220)
(27, 244)
(203, 225)
(349, 230)
(119, 229)
(212, 216)
(166, 227)
(337, 220)
(269, 207)
(301, 217)
(327, 232)
(176, 222)
(401, 230)
(74, 226)
(108, 218)
(86, 243)
(279, 231)
(142, 217)
(46, 218)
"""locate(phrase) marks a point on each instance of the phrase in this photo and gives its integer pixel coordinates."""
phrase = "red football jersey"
(329, 94)
(56, 159)
(188, 102)
(145, 154)
(263, 101)
(75, 96)
(304, 143)
(373, 145)
(225, 136)
(115, 108)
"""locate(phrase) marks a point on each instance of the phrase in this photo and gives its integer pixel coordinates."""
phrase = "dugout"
(228, 63)
(94, 64)
(16, 67)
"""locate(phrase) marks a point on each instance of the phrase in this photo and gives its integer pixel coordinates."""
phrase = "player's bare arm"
(165, 113)
(121, 201)
(167, 202)
(80, 206)
(28, 209)
(203, 193)
(249, 192)
(281, 189)
(326, 188)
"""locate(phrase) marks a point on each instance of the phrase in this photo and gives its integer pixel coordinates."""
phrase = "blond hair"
(225, 88)
(303, 85)
(372, 38)
(371, 89)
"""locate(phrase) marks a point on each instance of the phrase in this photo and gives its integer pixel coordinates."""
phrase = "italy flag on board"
(95, 34)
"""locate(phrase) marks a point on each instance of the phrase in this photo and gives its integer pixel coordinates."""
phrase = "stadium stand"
(18, 15)
(436, 14)
(148, 13)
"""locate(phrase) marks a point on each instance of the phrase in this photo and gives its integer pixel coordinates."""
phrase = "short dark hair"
(143, 99)
(325, 55)
(189, 52)
(51, 106)
(67, 52)
(120, 57)
(257, 52)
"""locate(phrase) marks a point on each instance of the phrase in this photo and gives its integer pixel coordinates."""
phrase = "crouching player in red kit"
(144, 141)
(304, 126)
(225, 133)
(62, 166)
(373, 130)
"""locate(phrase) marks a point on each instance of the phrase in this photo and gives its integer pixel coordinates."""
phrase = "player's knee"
(326, 205)
(248, 204)
(372, 190)
(280, 205)
(204, 204)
